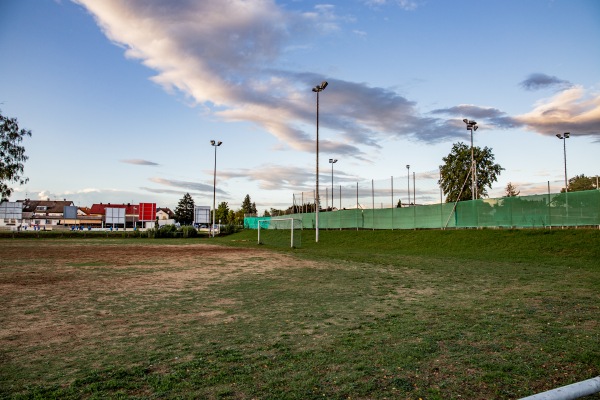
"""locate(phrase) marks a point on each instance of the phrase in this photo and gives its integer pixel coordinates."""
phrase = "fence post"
(340, 209)
(357, 206)
(392, 179)
(373, 203)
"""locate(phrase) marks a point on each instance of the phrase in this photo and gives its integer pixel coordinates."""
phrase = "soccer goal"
(280, 232)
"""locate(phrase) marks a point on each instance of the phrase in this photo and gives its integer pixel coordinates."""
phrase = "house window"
(41, 208)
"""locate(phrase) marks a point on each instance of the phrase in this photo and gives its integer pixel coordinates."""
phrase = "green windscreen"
(536, 211)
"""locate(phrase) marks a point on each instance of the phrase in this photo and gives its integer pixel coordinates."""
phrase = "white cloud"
(139, 162)
(224, 55)
(227, 56)
(181, 185)
(405, 4)
(572, 110)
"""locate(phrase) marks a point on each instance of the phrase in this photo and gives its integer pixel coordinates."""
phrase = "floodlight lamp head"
(220, 143)
(475, 127)
(407, 166)
(558, 135)
(324, 85)
(466, 121)
(315, 89)
(212, 142)
(567, 134)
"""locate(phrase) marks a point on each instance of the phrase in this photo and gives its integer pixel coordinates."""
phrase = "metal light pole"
(215, 145)
(332, 161)
(408, 180)
(564, 138)
(317, 89)
(472, 126)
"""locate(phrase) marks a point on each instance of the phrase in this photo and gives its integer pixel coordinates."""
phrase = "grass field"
(477, 314)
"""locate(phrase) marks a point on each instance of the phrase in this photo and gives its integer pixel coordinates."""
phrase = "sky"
(124, 96)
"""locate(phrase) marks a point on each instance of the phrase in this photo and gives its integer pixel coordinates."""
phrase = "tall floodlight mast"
(318, 89)
(472, 126)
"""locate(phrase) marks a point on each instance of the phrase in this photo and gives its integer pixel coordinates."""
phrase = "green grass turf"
(476, 314)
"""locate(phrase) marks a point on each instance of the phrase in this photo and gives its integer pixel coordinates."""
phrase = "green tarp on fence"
(562, 209)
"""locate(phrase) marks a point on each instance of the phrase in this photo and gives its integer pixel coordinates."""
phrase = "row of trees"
(184, 212)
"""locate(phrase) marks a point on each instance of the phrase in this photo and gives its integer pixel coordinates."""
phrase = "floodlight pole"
(472, 126)
(408, 185)
(332, 161)
(215, 145)
(317, 89)
(564, 138)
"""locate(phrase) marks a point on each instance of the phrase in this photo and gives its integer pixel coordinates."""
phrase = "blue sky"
(123, 97)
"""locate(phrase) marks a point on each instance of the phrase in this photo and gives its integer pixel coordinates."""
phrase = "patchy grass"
(402, 314)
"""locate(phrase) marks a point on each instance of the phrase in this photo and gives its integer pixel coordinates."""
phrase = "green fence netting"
(536, 211)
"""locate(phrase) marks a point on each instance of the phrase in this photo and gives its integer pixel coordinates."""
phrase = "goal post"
(280, 231)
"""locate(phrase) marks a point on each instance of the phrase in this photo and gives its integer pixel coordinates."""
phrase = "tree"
(239, 217)
(12, 155)
(184, 213)
(457, 169)
(511, 190)
(581, 182)
(222, 214)
(248, 206)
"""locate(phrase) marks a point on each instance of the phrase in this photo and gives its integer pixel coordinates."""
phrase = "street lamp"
(472, 126)
(317, 89)
(215, 145)
(408, 187)
(332, 161)
(564, 138)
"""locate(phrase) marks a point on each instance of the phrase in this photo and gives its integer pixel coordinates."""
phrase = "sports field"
(473, 314)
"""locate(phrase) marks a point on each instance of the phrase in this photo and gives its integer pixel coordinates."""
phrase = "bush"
(229, 229)
(166, 231)
(189, 231)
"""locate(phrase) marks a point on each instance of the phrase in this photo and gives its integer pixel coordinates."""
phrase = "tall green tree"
(248, 206)
(184, 213)
(457, 169)
(222, 213)
(12, 155)
(581, 182)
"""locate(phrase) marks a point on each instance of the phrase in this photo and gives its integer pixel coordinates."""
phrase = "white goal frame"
(281, 219)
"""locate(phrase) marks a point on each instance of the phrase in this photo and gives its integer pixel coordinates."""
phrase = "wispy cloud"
(182, 186)
(538, 81)
(485, 116)
(139, 162)
(233, 77)
(405, 4)
(272, 177)
(275, 177)
(571, 110)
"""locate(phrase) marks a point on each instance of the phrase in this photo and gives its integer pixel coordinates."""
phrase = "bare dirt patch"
(55, 294)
